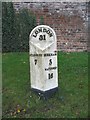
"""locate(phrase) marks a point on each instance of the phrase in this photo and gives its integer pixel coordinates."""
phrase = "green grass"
(71, 101)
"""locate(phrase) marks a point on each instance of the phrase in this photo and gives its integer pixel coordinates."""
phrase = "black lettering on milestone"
(35, 35)
(44, 30)
(40, 30)
(50, 75)
(51, 34)
(36, 32)
(35, 61)
(48, 31)
(42, 37)
(50, 62)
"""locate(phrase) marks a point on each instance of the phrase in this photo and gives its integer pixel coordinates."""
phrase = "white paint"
(39, 73)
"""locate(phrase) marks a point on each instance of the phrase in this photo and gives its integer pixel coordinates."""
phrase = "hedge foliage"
(16, 28)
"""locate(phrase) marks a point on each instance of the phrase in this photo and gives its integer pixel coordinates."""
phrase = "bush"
(41, 20)
(16, 28)
(26, 21)
(8, 26)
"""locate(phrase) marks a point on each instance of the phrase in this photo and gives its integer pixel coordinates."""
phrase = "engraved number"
(42, 37)
(50, 62)
(35, 61)
(50, 75)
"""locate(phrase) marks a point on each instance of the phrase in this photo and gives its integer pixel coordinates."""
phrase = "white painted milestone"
(43, 59)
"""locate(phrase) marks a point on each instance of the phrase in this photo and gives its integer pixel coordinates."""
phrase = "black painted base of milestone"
(45, 94)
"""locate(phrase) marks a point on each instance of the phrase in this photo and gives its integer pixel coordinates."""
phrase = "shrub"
(16, 28)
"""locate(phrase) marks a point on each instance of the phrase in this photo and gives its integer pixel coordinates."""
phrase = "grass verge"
(71, 101)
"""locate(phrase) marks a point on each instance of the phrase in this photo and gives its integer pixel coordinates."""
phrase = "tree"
(4, 26)
(41, 20)
(27, 22)
(16, 28)
(8, 26)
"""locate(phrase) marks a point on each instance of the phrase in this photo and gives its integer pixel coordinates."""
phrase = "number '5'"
(50, 62)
